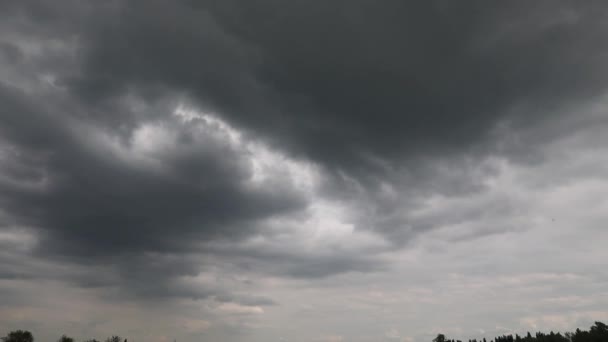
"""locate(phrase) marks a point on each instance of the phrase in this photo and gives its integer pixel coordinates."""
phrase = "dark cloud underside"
(338, 81)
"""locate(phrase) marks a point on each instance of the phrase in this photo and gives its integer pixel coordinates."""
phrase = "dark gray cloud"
(89, 204)
(88, 191)
(346, 82)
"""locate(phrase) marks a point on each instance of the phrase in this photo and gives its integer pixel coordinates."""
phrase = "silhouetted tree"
(114, 339)
(597, 333)
(65, 338)
(19, 336)
(439, 338)
(599, 329)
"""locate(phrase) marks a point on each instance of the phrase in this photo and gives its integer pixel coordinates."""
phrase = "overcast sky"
(301, 170)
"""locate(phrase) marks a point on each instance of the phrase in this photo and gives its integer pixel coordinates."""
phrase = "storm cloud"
(230, 164)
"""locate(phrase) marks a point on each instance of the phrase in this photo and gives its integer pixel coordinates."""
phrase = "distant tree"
(65, 338)
(599, 328)
(18, 336)
(114, 339)
(91, 340)
(439, 338)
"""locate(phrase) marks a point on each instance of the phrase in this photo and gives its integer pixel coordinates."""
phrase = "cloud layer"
(300, 171)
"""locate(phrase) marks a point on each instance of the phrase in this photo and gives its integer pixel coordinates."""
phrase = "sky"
(275, 170)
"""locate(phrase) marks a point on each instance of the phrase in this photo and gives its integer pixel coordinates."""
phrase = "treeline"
(597, 333)
(26, 336)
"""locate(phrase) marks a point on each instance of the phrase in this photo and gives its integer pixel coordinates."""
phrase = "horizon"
(597, 332)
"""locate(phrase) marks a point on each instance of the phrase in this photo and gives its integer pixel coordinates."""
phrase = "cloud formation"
(238, 165)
